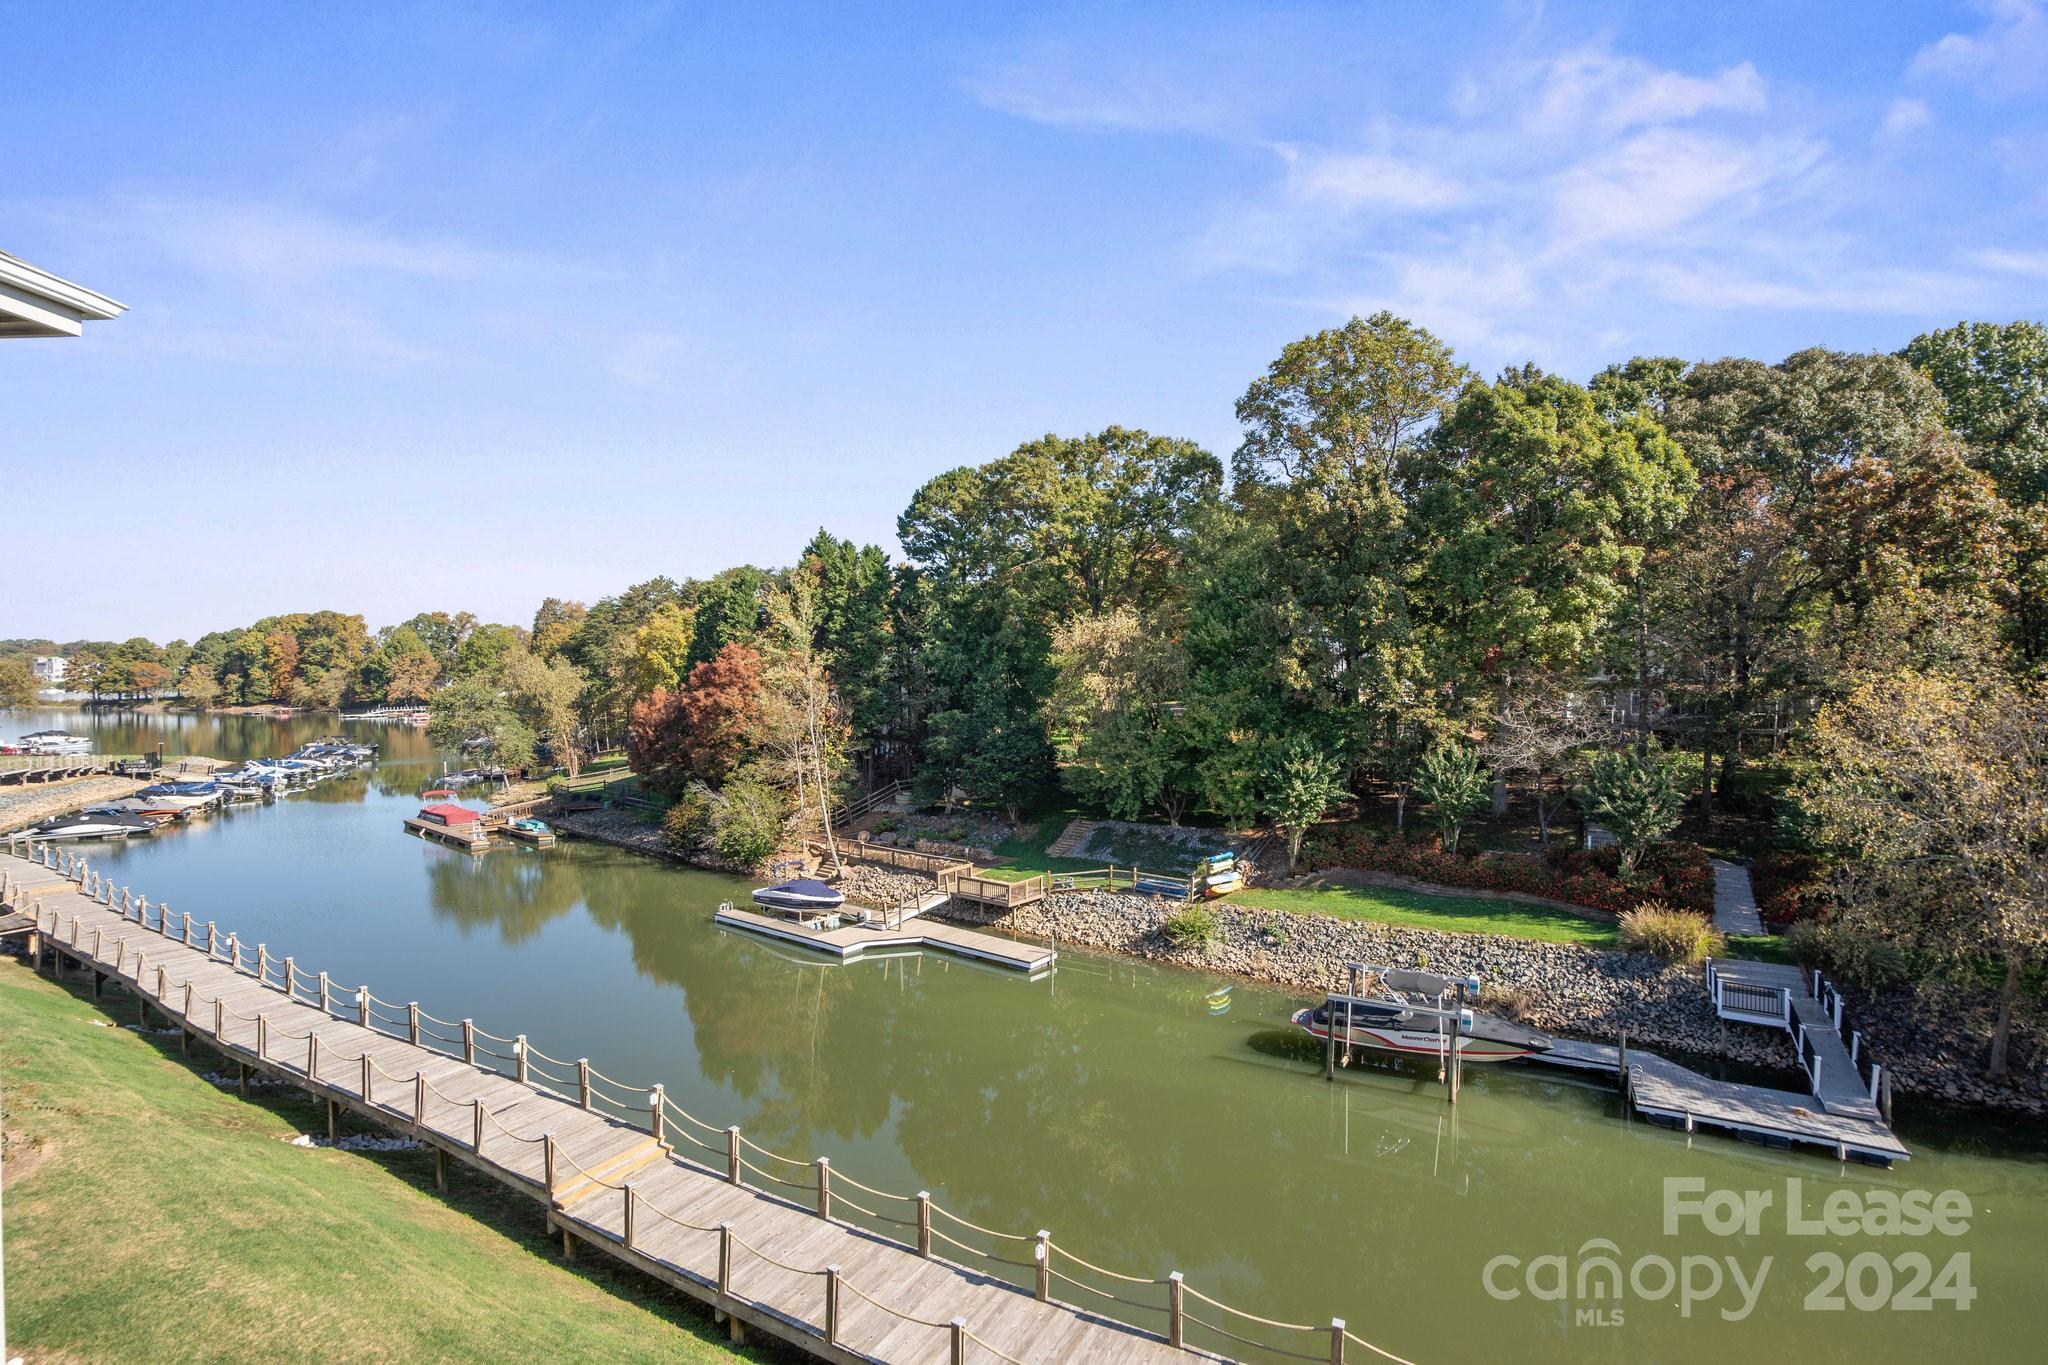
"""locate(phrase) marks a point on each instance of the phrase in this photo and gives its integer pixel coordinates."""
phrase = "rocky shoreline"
(1589, 993)
(25, 806)
(1567, 989)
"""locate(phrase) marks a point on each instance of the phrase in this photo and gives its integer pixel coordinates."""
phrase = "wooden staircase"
(614, 1171)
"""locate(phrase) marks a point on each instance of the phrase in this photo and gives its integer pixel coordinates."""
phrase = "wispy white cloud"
(2007, 56)
(1559, 200)
(271, 281)
(1046, 89)
(1906, 116)
(1594, 90)
(2032, 263)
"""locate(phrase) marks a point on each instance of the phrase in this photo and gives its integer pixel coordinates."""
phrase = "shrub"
(1804, 943)
(1787, 885)
(886, 825)
(746, 821)
(1452, 782)
(687, 826)
(1193, 926)
(1673, 935)
(1638, 799)
(1676, 873)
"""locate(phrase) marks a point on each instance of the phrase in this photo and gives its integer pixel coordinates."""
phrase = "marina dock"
(774, 1244)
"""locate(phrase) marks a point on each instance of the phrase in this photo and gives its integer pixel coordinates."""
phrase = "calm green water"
(1115, 1103)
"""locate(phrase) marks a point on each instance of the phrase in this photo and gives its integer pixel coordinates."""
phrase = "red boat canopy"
(449, 815)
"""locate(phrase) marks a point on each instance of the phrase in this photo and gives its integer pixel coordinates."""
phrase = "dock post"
(832, 1305)
(291, 978)
(924, 1224)
(547, 1149)
(242, 1078)
(99, 979)
(583, 1081)
(1041, 1260)
(220, 1021)
(1336, 1341)
(656, 1120)
(263, 1037)
(419, 1099)
(313, 1056)
(188, 928)
(234, 951)
(212, 934)
(956, 1339)
(363, 1006)
(263, 962)
(823, 1166)
(630, 1200)
(412, 1022)
(725, 1269)
(1621, 1049)
(366, 1078)
(1330, 1039)
(519, 1056)
(187, 1011)
(476, 1134)
(732, 1154)
(441, 1171)
(1176, 1313)
(326, 1007)
(468, 1042)
(333, 1123)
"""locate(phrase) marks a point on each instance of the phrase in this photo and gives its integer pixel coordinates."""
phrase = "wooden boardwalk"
(691, 1204)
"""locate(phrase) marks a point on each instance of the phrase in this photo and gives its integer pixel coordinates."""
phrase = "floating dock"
(472, 837)
(539, 838)
(908, 930)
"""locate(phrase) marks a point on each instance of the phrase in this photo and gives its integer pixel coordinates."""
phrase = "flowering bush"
(1676, 874)
(1785, 885)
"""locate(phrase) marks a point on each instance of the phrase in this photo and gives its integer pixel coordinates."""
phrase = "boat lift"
(1454, 1019)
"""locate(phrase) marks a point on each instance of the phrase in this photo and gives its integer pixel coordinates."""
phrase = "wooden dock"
(1837, 1114)
(22, 769)
(472, 837)
(777, 1248)
(539, 838)
(852, 941)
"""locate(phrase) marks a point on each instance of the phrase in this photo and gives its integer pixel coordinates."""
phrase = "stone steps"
(1071, 838)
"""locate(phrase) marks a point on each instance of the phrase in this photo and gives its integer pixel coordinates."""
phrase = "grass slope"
(1448, 914)
(152, 1216)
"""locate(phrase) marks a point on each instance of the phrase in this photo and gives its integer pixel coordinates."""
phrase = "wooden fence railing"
(642, 1106)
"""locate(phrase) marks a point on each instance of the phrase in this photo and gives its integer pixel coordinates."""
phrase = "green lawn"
(1450, 914)
(152, 1216)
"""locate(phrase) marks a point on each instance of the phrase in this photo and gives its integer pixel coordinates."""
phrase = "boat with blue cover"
(801, 896)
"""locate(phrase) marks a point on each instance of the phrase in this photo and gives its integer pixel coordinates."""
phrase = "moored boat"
(93, 824)
(1411, 1016)
(802, 896)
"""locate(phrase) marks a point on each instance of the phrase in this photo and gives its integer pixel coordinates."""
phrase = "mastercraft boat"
(802, 895)
(1410, 1014)
(93, 824)
(55, 742)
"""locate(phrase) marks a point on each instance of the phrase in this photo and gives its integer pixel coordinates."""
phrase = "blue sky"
(460, 306)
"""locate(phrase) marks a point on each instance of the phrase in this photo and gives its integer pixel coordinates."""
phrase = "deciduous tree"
(1933, 794)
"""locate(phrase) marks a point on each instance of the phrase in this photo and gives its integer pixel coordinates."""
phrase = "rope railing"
(586, 1086)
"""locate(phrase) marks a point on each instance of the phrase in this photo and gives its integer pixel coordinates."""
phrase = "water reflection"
(1107, 1103)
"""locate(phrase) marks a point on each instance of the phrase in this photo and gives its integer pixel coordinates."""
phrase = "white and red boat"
(1410, 1017)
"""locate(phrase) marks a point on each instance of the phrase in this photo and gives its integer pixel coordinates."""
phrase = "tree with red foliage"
(702, 730)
